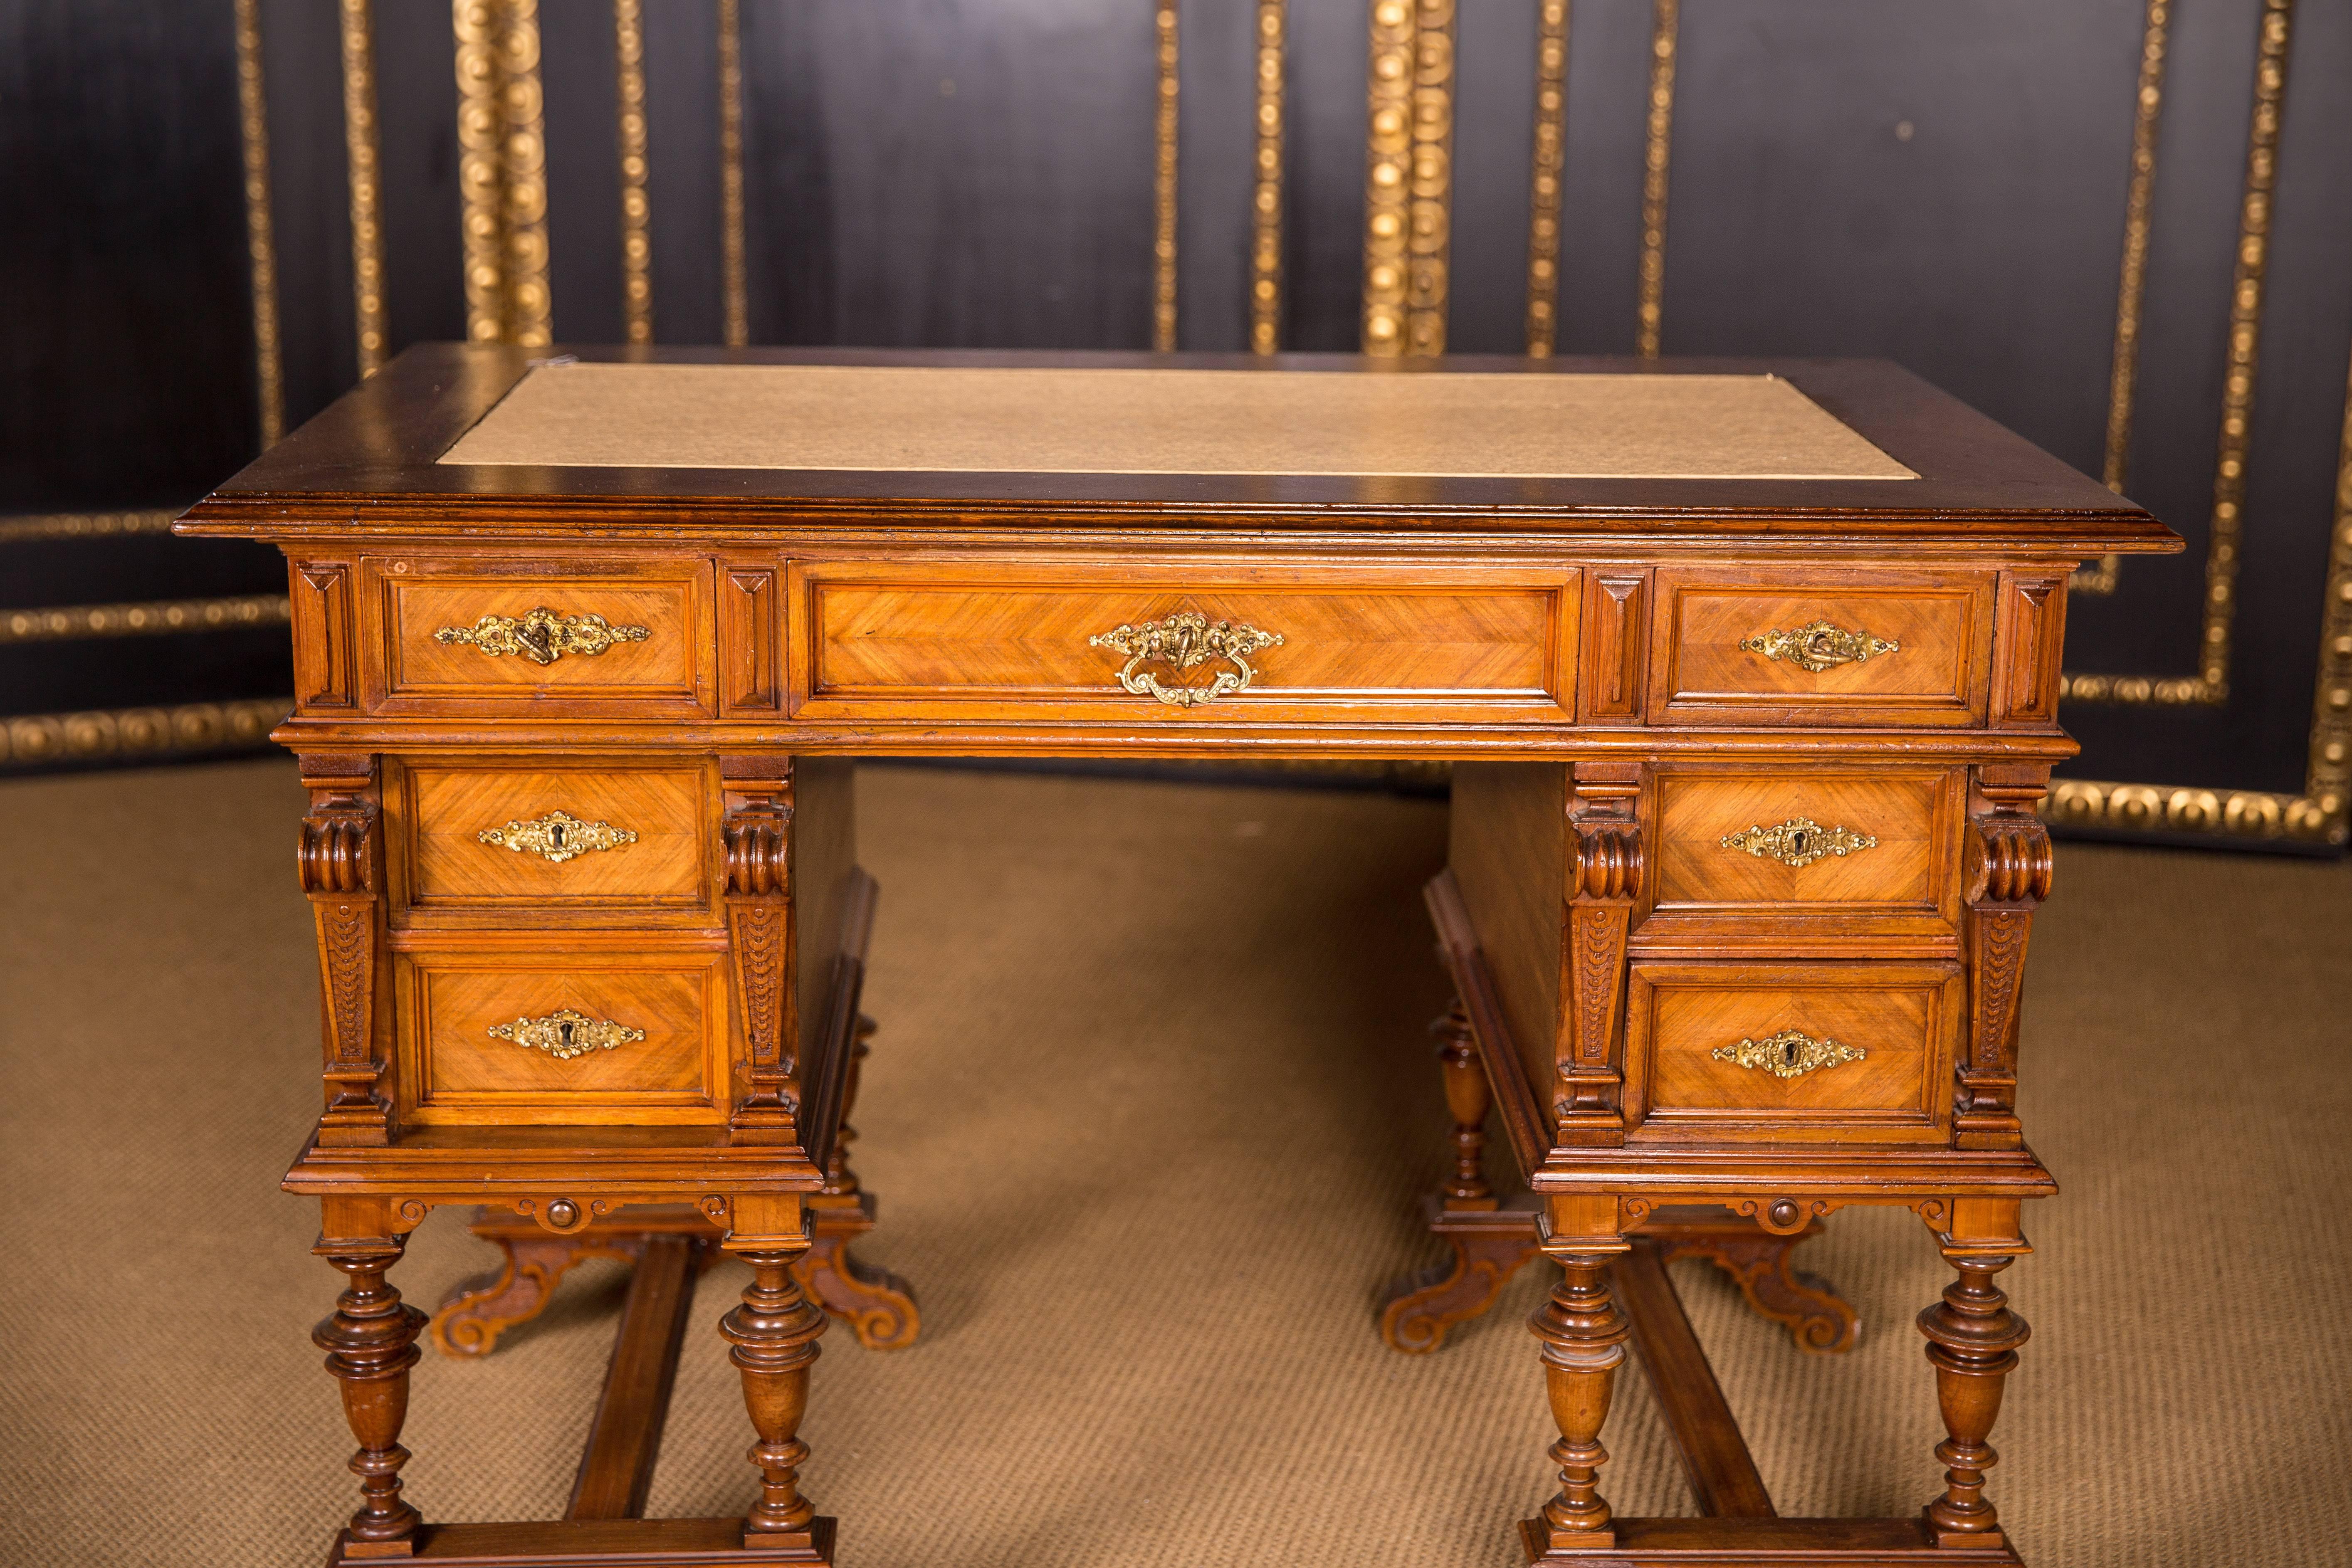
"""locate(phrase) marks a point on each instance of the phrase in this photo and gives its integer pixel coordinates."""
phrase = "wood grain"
(1901, 895)
(881, 638)
(462, 1074)
(1508, 851)
(441, 808)
(411, 598)
(1904, 1017)
(1942, 626)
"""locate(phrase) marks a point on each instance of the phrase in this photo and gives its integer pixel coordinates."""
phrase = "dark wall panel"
(1941, 184)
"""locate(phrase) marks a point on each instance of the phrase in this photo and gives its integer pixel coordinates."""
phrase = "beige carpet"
(1148, 1113)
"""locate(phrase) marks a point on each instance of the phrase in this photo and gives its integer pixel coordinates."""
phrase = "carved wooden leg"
(1488, 1248)
(1489, 1244)
(1583, 1336)
(1763, 1266)
(1972, 1340)
(879, 1306)
(774, 1332)
(477, 1311)
(371, 1343)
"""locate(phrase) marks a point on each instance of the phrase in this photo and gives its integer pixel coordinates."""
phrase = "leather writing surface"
(1117, 420)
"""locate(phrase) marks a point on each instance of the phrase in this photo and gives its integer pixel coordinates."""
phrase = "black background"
(1939, 182)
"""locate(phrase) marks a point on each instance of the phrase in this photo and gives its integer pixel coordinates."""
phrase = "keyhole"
(1800, 842)
(563, 1032)
(1787, 1051)
(555, 834)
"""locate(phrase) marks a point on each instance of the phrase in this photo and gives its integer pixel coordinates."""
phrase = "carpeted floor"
(1149, 1114)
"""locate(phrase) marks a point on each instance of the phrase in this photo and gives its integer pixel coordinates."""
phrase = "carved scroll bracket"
(340, 861)
(756, 834)
(1603, 878)
(2007, 874)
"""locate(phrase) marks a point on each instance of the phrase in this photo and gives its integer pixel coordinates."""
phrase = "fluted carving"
(757, 836)
(1604, 878)
(2009, 872)
(340, 861)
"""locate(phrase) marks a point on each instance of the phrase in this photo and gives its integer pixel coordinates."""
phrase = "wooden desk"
(1749, 680)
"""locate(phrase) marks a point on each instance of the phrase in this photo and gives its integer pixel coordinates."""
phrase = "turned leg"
(774, 1332)
(1972, 1340)
(879, 1306)
(371, 1343)
(1583, 1336)
(1489, 1243)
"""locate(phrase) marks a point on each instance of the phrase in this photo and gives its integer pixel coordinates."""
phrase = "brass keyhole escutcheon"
(1792, 1053)
(1819, 645)
(1797, 842)
(542, 635)
(556, 836)
(566, 1033)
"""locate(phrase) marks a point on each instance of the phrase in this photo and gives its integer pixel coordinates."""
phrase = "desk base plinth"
(1766, 1543)
(599, 1543)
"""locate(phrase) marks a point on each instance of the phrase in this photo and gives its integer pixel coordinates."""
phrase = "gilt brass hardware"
(1819, 645)
(564, 1034)
(1184, 641)
(542, 636)
(1800, 841)
(558, 836)
(1789, 1054)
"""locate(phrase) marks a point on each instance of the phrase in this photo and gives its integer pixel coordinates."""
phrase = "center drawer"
(899, 639)
(515, 1036)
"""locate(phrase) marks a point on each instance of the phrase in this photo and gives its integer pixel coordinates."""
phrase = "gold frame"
(1265, 190)
(1408, 178)
(260, 230)
(363, 169)
(1163, 179)
(636, 202)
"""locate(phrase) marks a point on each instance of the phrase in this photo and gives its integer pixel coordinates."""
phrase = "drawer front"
(885, 640)
(593, 640)
(1781, 855)
(563, 1035)
(1756, 1053)
(1820, 647)
(586, 840)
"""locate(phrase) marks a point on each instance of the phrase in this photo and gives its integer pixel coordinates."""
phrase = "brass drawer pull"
(1800, 841)
(1819, 645)
(557, 837)
(1185, 641)
(542, 636)
(1792, 1053)
(564, 1034)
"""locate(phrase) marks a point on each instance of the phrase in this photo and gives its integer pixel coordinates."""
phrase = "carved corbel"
(1604, 878)
(342, 864)
(756, 834)
(2007, 876)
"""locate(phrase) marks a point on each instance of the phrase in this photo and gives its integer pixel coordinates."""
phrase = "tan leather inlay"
(1123, 421)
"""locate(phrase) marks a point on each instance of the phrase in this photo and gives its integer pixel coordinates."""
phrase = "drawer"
(562, 1035)
(597, 843)
(885, 639)
(1753, 1053)
(484, 637)
(1821, 647)
(1845, 855)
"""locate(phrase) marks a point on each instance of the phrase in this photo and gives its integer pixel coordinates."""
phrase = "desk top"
(733, 440)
